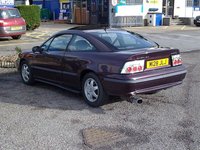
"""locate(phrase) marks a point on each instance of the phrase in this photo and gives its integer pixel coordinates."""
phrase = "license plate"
(198, 21)
(16, 28)
(157, 63)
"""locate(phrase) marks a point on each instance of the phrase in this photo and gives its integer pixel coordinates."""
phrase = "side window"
(45, 46)
(79, 43)
(60, 43)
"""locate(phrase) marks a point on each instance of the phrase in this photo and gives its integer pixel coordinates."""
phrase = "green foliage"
(31, 13)
(18, 50)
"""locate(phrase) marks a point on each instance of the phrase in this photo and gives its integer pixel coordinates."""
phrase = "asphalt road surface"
(46, 117)
(185, 40)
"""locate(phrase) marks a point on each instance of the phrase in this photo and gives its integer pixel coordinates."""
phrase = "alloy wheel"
(91, 89)
(25, 71)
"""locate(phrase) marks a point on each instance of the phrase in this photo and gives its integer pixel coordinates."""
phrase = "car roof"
(89, 28)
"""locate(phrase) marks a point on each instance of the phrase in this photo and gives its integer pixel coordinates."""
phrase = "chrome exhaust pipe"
(134, 99)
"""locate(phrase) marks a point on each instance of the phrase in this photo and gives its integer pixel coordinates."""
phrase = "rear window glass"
(123, 40)
(10, 13)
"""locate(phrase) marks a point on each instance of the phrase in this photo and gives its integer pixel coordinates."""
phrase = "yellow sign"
(64, 1)
(153, 1)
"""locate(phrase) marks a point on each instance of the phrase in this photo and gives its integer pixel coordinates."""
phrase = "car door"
(47, 65)
(75, 60)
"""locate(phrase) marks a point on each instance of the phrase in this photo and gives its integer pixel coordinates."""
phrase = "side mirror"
(37, 49)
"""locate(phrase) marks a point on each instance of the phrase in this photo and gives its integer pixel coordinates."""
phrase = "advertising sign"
(64, 1)
(122, 2)
(128, 10)
(153, 1)
(6, 2)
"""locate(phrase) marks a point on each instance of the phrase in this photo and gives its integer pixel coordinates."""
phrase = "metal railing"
(7, 64)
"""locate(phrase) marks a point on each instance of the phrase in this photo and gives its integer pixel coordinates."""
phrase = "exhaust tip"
(135, 100)
(139, 101)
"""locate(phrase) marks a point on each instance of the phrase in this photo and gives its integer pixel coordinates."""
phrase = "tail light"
(133, 67)
(176, 60)
(1, 23)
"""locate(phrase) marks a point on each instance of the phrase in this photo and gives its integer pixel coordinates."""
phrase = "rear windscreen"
(123, 40)
(10, 13)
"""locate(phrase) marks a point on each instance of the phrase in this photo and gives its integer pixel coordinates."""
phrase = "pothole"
(97, 137)
(109, 138)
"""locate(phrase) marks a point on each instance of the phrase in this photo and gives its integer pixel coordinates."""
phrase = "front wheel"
(26, 73)
(93, 91)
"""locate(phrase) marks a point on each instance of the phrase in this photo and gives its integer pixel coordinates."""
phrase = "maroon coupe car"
(102, 62)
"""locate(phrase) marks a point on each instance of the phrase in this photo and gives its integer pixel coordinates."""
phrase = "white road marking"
(183, 28)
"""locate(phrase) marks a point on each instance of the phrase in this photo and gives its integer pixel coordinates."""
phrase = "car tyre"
(92, 90)
(26, 73)
(16, 37)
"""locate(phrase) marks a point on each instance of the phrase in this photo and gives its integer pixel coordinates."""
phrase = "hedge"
(31, 13)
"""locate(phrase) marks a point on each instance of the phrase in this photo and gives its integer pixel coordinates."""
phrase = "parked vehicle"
(197, 21)
(102, 62)
(11, 23)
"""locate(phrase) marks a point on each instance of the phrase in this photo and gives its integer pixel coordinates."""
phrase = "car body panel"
(48, 66)
(147, 82)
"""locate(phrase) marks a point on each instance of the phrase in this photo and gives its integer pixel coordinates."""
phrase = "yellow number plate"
(157, 63)
(16, 28)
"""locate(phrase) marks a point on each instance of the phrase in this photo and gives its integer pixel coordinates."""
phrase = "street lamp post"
(166, 8)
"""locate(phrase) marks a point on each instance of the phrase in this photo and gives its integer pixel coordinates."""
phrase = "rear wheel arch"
(92, 89)
(84, 72)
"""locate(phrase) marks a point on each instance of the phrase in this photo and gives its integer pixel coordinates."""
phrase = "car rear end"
(149, 71)
(11, 23)
(142, 67)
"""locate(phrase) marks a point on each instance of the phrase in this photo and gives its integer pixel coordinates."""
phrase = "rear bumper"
(155, 81)
(6, 31)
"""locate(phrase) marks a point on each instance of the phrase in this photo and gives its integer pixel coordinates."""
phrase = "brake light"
(133, 67)
(1, 22)
(176, 60)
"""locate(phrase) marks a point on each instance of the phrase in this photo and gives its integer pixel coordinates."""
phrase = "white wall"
(181, 10)
(27, 2)
(196, 13)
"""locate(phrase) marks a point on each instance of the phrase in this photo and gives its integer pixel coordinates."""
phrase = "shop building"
(112, 12)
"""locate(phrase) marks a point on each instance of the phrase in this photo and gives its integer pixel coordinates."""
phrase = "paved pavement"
(45, 117)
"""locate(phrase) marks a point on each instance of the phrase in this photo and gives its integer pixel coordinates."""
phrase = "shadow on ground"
(41, 96)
